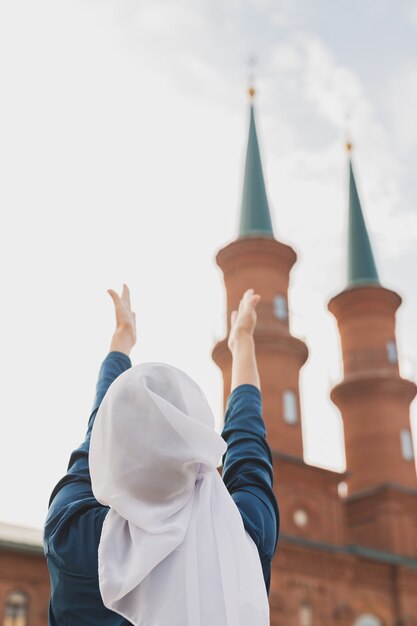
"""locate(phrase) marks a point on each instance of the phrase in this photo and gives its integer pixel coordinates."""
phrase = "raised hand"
(124, 337)
(243, 320)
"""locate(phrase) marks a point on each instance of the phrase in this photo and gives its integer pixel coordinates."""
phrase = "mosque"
(347, 554)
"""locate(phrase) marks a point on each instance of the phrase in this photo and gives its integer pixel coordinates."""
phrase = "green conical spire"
(361, 264)
(255, 218)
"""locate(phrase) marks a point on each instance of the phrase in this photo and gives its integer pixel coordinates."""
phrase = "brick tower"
(374, 400)
(256, 259)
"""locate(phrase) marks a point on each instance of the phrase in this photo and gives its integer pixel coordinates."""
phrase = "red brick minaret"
(374, 399)
(256, 259)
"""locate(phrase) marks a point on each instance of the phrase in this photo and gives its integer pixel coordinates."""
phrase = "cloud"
(332, 87)
(285, 58)
(401, 103)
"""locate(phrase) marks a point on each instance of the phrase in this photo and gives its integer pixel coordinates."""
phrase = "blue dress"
(75, 518)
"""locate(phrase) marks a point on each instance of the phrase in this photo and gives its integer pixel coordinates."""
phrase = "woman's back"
(73, 534)
(75, 518)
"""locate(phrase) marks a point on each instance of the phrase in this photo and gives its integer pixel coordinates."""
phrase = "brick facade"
(24, 574)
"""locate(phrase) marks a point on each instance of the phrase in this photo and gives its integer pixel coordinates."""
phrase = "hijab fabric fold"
(173, 549)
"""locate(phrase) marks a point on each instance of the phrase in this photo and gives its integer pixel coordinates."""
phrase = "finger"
(114, 296)
(248, 293)
(126, 294)
(253, 300)
(244, 298)
(233, 317)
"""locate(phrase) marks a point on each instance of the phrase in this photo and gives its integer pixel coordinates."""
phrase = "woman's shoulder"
(72, 532)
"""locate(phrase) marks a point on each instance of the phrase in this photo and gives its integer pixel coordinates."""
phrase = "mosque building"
(24, 578)
(345, 557)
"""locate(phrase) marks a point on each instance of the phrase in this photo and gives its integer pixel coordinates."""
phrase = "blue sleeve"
(113, 365)
(73, 495)
(248, 471)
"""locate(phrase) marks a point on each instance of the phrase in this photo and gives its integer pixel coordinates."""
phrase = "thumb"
(113, 295)
(233, 317)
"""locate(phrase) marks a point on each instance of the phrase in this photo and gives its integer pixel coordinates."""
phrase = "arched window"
(280, 308)
(392, 352)
(16, 609)
(290, 407)
(305, 614)
(368, 620)
(406, 444)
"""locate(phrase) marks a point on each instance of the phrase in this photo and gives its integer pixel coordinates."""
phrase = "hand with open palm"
(243, 320)
(124, 337)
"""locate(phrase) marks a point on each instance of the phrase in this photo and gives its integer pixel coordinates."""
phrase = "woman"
(142, 529)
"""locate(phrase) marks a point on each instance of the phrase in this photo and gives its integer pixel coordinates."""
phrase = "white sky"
(123, 128)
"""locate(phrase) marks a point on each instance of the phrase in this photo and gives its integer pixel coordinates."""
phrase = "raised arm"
(74, 520)
(122, 342)
(114, 364)
(247, 463)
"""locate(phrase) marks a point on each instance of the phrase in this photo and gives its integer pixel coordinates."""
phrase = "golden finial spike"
(348, 141)
(252, 61)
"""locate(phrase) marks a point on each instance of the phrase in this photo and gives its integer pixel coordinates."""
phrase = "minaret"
(257, 260)
(373, 398)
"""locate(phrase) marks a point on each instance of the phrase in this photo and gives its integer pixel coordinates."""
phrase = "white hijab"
(173, 548)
